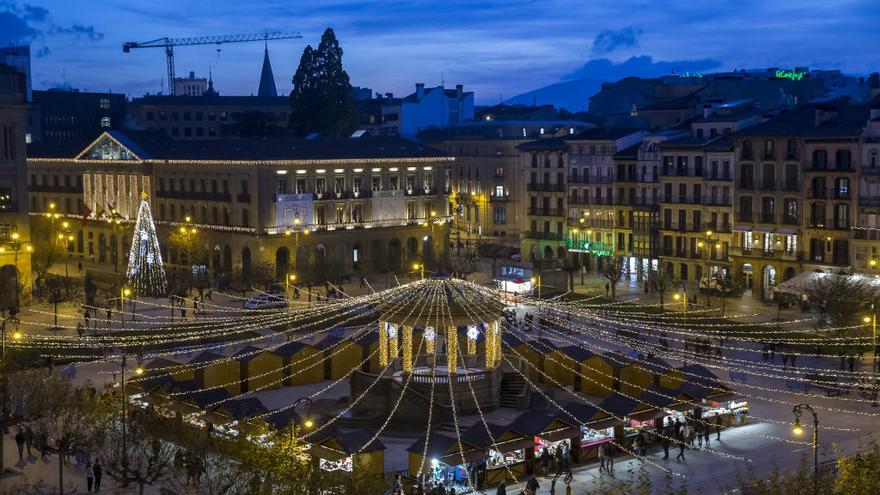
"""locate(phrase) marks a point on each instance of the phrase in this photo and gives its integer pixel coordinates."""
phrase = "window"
(791, 149)
(841, 189)
(223, 116)
(499, 191)
(820, 159)
(843, 160)
(790, 212)
(769, 151)
(747, 153)
(376, 183)
(499, 172)
(150, 116)
(245, 217)
(320, 185)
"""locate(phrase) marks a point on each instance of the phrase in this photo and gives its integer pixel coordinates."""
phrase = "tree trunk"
(61, 473)
(141, 488)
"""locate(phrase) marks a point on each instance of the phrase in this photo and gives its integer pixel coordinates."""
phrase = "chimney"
(459, 91)
(420, 90)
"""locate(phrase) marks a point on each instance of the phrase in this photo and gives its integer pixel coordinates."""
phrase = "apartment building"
(486, 184)
(795, 194)
(360, 204)
(866, 229)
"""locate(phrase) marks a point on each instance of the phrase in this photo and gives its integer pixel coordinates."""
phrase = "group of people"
(769, 351)
(554, 461)
(691, 433)
(27, 440)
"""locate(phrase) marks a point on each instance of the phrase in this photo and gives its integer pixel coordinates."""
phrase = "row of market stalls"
(598, 375)
(490, 453)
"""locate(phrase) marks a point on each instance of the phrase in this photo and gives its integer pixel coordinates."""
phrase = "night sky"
(498, 49)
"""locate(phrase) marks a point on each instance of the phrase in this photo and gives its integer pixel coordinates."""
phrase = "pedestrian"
(545, 461)
(607, 288)
(19, 442)
(681, 448)
(707, 432)
(183, 312)
(842, 362)
(609, 453)
(677, 427)
(791, 360)
(109, 315)
(602, 450)
(852, 363)
(96, 470)
(532, 486)
(502, 489)
(398, 485)
(87, 315)
(717, 427)
(698, 431)
(90, 477)
(29, 439)
(666, 443)
(560, 457)
(784, 361)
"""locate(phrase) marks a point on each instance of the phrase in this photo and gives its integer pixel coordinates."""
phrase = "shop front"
(546, 431)
(731, 412)
(442, 463)
(514, 281)
(505, 453)
(354, 457)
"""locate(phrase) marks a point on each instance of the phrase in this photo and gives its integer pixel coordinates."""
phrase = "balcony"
(744, 216)
(578, 200)
(787, 220)
(537, 187)
(581, 179)
(602, 179)
(769, 253)
(822, 167)
(767, 218)
(817, 193)
(869, 202)
(546, 212)
(546, 236)
(243, 198)
(499, 199)
(197, 196)
(716, 201)
(718, 227)
(717, 177)
(56, 189)
(745, 184)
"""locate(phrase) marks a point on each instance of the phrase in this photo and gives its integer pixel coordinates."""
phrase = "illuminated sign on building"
(597, 248)
(790, 74)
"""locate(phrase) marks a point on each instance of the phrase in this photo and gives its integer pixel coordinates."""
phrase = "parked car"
(266, 302)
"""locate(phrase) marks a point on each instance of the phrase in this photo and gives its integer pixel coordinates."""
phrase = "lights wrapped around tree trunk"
(451, 349)
(407, 349)
(392, 342)
(383, 343)
(146, 274)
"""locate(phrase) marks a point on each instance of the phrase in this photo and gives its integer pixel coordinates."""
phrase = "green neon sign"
(790, 74)
(597, 248)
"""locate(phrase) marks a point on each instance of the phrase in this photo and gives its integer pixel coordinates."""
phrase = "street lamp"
(291, 277)
(683, 297)
(5, 410)
(137, 371)
(537, 281)
(872, 320)
(16, 245)
(798, 429)
(116, 221)
(419, 267)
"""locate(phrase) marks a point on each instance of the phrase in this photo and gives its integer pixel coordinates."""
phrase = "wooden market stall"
(443, 461)
(564, 364)
(549, 431)
(505, 452)
(213, 370)
(352, 452)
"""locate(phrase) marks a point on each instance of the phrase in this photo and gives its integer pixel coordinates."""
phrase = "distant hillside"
(571, 95)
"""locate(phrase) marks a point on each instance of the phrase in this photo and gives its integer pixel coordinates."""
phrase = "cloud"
(25, 23)
(642, 66)
(608, 41)
(79, 30)
(43, 51)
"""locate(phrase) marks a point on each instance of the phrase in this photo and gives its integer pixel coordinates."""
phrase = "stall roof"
(205, 357)
(244, 408)
(350, 441)
(283, 418)
(510, 340)
(367, 338)
(439, 446)
(576, 352)
(205, 398)
(328, 342)
(659, 397)
(478, 436)
(533, 423)
(654, 365)
(248, 353)
(620, 405)
(290, 348)
(583, 412)
(616, 359)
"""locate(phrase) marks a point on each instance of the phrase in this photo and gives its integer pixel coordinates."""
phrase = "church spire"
(267, 79)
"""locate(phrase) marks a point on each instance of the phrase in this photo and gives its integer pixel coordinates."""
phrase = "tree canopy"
(321, 99)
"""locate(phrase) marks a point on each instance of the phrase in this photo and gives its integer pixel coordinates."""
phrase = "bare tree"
(612, 270)
(147, 458)
(663, 280)
(838, 298)
(727, 284)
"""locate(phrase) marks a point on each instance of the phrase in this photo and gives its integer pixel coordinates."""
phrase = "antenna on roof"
(442, 80)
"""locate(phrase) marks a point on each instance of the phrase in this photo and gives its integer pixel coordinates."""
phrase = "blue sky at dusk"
(496, 48)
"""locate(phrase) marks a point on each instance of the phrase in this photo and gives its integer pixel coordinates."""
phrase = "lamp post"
(708, 244)
(66, 238)
(799, 430)
(872, 320)
(16, 335)
(683, 297)
(137, 371)
(537, 281)
(297, 228)
(115, 220)
(188, 235)
(291, 277)
(420, 267)
(16, 245)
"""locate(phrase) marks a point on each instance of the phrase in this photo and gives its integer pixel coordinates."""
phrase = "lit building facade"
(359, 205)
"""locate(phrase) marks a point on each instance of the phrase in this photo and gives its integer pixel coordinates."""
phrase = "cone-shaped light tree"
(145, 274)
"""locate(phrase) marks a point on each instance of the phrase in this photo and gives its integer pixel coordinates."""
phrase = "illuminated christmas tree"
(145, 274)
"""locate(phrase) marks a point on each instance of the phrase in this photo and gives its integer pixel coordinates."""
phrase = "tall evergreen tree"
(321, 99)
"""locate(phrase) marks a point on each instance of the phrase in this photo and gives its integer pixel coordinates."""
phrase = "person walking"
(19, 442)
(852, 363)
(677, 427)
(502, 489)
(87, 315)
(90, 477)
(666, 443)
(609, 454)
(707, 432)
(681, 448)
(717, 427)
(560, 457)
(532, 486)
(545, 461)
(603, 448)
(29, 439)
(607, 288)
(791, 360)
(98, 472)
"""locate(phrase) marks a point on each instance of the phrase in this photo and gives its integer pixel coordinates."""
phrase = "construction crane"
(169, 43)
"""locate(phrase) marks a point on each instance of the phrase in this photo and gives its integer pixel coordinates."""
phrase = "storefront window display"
(732, 412)
(541, 444)
(498, 459)
(344, 464)
(591, 438)
(449, 475)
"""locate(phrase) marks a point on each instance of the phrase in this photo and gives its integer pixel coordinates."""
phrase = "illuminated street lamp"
(419, 267)
(537, 281)
(798, 430)
(872, 320)
(683, 297)
(16, 335)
